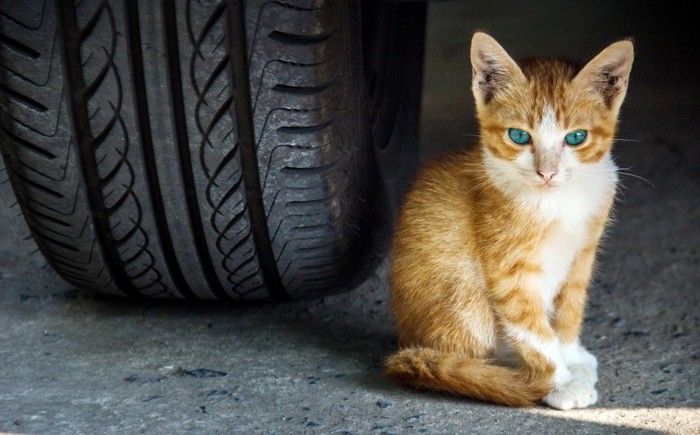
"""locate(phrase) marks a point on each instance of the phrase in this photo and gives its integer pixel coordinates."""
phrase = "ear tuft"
(492, 68)
(607, 75)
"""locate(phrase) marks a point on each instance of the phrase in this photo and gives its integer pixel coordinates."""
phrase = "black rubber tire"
(394, 36)
(194, 149)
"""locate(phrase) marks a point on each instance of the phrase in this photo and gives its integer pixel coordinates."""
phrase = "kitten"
(495, 246)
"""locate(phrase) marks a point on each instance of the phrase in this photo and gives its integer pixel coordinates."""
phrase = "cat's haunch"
(495, 246)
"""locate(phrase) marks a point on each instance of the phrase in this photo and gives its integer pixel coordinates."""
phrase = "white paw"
(584, 373)
(574, 354)
(575, 394)
(581, 363)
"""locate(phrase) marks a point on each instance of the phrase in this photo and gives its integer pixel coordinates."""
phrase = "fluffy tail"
(431, 369)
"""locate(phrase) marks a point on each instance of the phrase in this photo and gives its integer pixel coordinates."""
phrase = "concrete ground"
(75, 362)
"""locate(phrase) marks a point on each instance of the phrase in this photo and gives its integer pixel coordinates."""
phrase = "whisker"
(625, 172)
(629, 174)
(621, 193)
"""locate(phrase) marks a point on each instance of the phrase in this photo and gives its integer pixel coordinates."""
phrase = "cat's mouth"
(548, 185)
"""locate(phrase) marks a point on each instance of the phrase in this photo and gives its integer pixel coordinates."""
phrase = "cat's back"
(443, 183)
(437, 209)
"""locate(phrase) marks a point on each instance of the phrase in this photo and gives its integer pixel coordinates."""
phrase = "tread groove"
(80, 125)
(18, 47)
(182, 144)
(249, 158)
(302, 90)
(306, 129)
(40, 187)
(30, 146)
(149, 156)
(311, 170)
(300, 39)
(23, 99)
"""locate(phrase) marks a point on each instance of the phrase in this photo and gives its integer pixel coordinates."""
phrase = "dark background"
(663, 97)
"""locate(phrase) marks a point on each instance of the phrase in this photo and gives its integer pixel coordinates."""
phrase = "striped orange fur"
(495, 246)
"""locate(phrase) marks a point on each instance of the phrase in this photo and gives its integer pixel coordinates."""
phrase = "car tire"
(209, 150)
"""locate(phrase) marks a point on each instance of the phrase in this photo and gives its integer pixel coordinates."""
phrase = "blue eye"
(576, 137)
(521, 137)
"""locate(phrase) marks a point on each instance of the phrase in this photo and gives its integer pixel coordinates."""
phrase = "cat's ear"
(607, 75)
(493, 70)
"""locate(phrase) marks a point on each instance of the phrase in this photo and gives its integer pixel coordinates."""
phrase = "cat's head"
(547, 120)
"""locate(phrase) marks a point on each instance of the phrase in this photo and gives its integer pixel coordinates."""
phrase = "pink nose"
(547, 175)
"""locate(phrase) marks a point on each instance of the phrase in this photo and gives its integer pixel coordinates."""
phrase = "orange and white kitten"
(495, 246)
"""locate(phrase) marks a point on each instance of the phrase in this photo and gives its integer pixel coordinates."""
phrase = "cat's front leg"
(570, 390)
(574, 372)
(568, 316)
(524, 319)
(567, 324)
(538, 341)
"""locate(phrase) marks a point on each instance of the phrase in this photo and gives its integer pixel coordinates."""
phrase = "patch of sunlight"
(679, 421)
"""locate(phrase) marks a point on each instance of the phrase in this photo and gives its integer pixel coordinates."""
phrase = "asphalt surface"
(75, 362)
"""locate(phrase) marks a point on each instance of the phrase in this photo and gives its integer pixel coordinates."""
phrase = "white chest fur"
(557, 255)
(569, 207)
(570, 210)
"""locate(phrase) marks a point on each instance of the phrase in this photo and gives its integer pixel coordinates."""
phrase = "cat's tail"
(426, 368)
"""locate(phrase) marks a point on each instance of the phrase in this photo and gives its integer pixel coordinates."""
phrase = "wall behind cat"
(665, 62)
